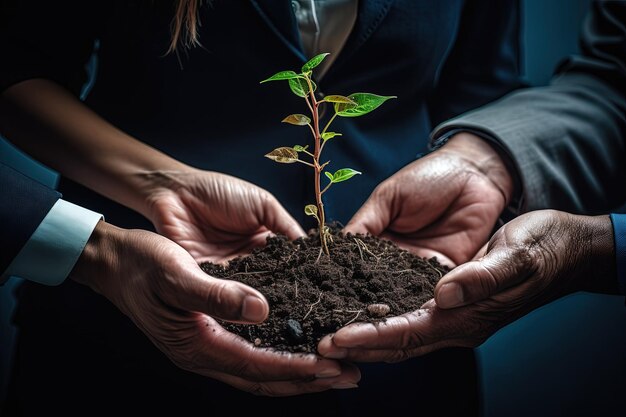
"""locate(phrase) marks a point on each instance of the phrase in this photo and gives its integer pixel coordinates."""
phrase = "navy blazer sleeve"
(23, 205)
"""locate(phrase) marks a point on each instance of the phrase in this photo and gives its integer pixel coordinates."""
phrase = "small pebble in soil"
(257, 342)
(378, 310)
(294, 329)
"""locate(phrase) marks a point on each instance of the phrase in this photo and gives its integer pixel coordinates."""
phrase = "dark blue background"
(567, 358)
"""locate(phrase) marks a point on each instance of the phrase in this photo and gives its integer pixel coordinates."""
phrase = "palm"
(217, 217)
(452, 228)
(433, 207)
(160, 287)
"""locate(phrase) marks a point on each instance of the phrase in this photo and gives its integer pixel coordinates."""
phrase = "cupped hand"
(215, 216)
(160, 287)
(445, 204)
(530, 261)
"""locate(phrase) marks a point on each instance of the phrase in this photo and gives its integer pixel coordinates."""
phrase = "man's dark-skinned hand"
(530, 261)
(161, 288)
(445, 204)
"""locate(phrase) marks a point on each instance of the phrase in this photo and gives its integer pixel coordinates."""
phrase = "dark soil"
(312, 295)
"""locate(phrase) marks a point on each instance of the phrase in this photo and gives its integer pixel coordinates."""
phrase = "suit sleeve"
(23, 206)
(483, 64)
(46, 235)
(568, 140)
(619, 230)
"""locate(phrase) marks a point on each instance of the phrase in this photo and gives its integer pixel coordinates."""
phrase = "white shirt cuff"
(51, 252)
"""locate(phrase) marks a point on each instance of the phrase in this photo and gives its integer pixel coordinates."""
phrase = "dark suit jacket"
(568, 140)
(23, 205)
(205, 107)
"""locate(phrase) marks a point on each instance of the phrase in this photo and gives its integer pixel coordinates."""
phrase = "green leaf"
(310, 210)
(300, 87)
(329, 135)
(283, 155)
(283, 75)
(339, 99)
(329, 175)
(314, 62)
(300, 148)
(344, 174)
(297, 119)
(366, 102)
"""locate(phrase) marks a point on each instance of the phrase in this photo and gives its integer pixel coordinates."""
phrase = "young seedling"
(354, 105)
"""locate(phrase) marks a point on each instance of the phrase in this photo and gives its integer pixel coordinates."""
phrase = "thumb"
(477, 280)
(481, 252)
(372, 218)
(279, 221)
(219, 298)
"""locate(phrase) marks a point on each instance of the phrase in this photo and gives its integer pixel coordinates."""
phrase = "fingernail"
(339, 353)
(344, 385)
(450, 295)
(253, 309)
(328, 373)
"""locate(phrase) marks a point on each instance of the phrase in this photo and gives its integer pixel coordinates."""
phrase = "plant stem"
(326, 128)
(326, 188)
(313, 105)
(306, 163)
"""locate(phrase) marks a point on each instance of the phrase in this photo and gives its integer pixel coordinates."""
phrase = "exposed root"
(354, 318)
(247, 273)
(434, 269)
(319, 256)
(363, 248)
(358, 313)
(311, 307)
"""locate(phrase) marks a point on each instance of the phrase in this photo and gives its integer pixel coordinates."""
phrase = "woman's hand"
(215, 216)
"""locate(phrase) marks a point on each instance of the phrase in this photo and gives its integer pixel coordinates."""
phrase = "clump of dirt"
(311, 294)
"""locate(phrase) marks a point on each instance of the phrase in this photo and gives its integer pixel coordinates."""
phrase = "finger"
(349, 378)
(477, 280)
(372, 218)
(405, 336)
(193, 290)
(278, 220)
(429, 304)
(218, 349)
(397, 355)
(407, 331)
(481, 252)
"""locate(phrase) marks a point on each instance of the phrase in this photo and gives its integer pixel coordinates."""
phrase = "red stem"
(318, 169)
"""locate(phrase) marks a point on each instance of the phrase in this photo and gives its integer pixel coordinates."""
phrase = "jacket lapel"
(279, 16)
(371, 13)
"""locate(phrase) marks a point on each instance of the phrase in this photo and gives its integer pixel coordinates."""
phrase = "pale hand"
(445, 204)
(215, 216)
(160, 287)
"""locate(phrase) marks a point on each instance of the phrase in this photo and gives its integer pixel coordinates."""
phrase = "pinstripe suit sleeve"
(568, 140)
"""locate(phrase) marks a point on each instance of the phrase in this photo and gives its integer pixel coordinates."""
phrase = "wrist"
(96, 263)
(602, 270)
(151, 185)
(480, 154)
